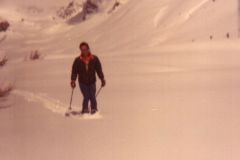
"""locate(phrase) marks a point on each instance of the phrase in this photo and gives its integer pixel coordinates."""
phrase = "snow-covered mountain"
(138, 23)
(153, 23)
(172, 72)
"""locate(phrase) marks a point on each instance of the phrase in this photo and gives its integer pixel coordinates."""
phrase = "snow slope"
(168, 21)
(172, 93)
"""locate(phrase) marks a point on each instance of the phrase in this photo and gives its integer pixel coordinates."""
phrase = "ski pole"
(67, 114)
(70, 106)
(99, 91)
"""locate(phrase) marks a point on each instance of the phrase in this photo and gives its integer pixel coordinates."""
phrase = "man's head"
(85, 49)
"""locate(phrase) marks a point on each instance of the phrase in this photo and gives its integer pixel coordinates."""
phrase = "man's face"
(85, 50)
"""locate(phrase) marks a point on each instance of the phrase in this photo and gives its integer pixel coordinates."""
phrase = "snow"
(171, 93)
(159, 16)
(195, 8)
(54, 105)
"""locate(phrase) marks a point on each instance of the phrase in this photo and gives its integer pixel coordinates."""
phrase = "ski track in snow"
(159, 16)
(187, 15)
(52, 104)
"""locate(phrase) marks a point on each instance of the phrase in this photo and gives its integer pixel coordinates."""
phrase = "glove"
(103, 82)
(73, 84)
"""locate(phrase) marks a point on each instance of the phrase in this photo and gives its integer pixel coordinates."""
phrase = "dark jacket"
(87, 72)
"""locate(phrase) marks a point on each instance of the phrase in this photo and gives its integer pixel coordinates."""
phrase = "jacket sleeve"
(99, 69)
(74, 71)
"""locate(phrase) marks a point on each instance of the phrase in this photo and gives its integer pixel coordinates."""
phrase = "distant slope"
(133, 25)
(152, 23)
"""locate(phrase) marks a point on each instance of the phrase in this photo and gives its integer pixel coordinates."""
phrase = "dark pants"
(89, 94)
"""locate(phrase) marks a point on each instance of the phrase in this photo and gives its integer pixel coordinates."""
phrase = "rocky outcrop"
(89, 7)
(67, 12)
(75, 12)
(4, 25)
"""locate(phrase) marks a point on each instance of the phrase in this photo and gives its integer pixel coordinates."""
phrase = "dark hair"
(84, 44)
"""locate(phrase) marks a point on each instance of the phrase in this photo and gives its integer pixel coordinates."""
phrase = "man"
(85, 68)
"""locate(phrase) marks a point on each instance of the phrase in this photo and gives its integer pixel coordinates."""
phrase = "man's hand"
(73, 84)
(103, 82)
